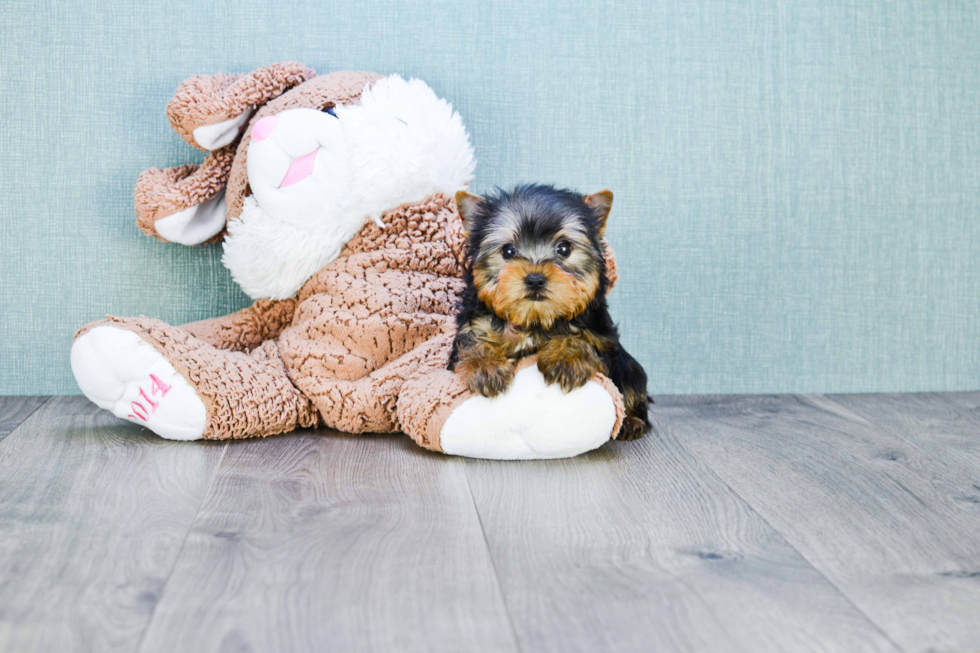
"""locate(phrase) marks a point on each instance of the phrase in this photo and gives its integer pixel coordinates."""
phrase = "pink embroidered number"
(159, 385)
(149, 401)
(156, 387)
(140, 411)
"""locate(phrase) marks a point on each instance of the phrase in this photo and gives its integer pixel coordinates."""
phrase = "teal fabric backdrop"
(797, 183)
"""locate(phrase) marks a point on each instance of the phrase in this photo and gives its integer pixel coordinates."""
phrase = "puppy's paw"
(568, 363)
(490, 381)
(569, 374)
(632, 428)
(487, 377)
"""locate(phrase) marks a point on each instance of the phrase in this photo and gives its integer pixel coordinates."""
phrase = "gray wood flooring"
(769, 523)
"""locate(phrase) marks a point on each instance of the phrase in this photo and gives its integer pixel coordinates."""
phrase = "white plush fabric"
(531, 420)
(220, 134)
(113, 368)
(401, 144)
(196, 224)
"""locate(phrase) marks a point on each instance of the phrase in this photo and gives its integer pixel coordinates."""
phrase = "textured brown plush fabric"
(363, 322)
(430, 395)
(248, 328)
(362, 348)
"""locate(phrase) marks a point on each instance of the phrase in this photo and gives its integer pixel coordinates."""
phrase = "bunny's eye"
(508, 251)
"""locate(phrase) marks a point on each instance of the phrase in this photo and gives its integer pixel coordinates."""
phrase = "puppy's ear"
(467, 203)
(600, 203)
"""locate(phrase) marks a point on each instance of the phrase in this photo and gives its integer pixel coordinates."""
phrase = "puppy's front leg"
(569, 361)
(485, 368)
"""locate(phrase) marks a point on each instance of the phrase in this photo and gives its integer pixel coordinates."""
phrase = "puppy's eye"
(508, 251)
(563, 249)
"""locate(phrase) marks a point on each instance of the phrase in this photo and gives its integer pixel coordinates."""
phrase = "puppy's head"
(536, 253)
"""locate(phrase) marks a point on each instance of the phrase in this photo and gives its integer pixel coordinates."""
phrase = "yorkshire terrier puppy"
(536, 284)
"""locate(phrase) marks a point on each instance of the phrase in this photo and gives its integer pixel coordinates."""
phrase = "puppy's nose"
(535, 281)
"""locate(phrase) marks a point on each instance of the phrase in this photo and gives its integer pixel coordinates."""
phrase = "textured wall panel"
(797, 183)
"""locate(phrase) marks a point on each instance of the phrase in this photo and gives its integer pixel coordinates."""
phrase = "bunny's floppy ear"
(186, 204)
(208, 111)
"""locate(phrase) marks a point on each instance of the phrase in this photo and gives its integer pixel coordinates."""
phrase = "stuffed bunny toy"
(333, 197)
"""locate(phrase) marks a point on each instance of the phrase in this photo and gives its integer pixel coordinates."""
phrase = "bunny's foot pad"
(120, 372)
(531, 420)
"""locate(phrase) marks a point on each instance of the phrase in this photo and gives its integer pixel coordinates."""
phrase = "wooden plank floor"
(777, 523)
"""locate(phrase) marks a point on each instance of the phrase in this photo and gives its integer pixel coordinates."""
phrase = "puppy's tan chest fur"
(515, 342)
(520, 342)
(511, 341)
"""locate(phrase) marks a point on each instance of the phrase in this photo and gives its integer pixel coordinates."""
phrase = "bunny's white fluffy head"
(317, 177)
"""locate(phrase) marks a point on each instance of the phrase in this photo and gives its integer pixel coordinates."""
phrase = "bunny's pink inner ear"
(221, 134)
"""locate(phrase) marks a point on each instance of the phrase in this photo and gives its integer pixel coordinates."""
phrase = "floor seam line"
(493, 563)
(180, 551)
(29, 415)
(910, 442)
(782, 537)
